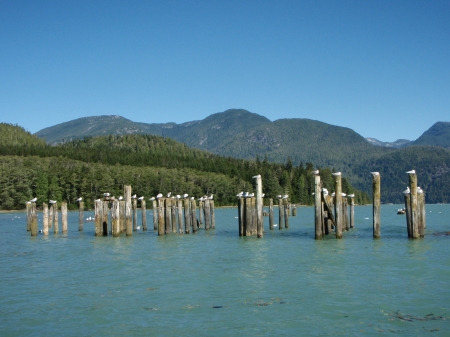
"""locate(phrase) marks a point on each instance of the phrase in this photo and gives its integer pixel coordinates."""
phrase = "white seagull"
(407, 191)
(120, 198)
(141, 198)
(315, 172)
(79, 199)
(168, 194)
(33, 200)
(211, 197)
(159, 196)
(152, 198)
(52, 202)
(336, 173)
(133, 196)
(106, 194)
(240, 194)
(98, 200)
(375, 173)
(257, 176)
(351, 195)
(411, 172)
(285, 196)
(185, 195)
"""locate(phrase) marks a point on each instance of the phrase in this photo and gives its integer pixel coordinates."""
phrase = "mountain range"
(239, 133)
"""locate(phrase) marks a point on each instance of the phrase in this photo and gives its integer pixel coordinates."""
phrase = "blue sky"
(379, 67)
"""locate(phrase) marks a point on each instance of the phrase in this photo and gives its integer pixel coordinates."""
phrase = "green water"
(217, 284)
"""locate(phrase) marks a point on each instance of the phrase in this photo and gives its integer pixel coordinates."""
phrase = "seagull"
(278, 196)
(211, 197)
(133, 196)
(333, 194)
(28, 202)
(141, 198)
(185, 195)
(106, 194)
(79, 199)
(178, 196)
(343, 194)
(407, 191)
(313, 193)
(33, 200)
(262, 195)
(192, 198)
(351, 195)
(251, 195)
(257, 176)
(336, 173)
(375, 173)
(152, 198)
(240, 194)
(120, 198)
(138, 227)
(168, 194)
(275, 225)
(315, 172)
(285, 196)
(419, 190)
(411, 172)
(98, 200)
(160, 195)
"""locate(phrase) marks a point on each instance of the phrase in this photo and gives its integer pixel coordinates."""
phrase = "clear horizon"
(379, 68)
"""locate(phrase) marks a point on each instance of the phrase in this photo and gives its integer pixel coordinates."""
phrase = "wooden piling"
(122, 221)
(194, 216)
(161, 224)
(241, 216)
(28, 206)
(167, 215)
(155, 215)
(115, 215)
(105, 220)
(33, 219)
(144, 215)
(55, 218)
(318, 208)
(187, 216)
(352, 212)
(270, 213)
(346, 219)
(280, 214)
(213, 214)
(259, 207)
(294, 210)
(338, 205)
(50, 216)
(45, 218)
(207, 213)
(98, 216)
(80, 215)
(248, 217)
(414, 205)
(407, 197)
(421, 214)
(180, 216)
(173, 213)
(200, 213)
(286, 213)
(64, 216)
(128, 220)
(424, 213)
(376, 195)
(134, 207)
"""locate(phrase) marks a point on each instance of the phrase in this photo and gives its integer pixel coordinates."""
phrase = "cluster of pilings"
(331, 212)
(50, 218)
(415, 208)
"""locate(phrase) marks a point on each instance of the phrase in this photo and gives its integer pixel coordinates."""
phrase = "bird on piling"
(343, 194)
(279, 196)
(51, 202)
(419, 190)
(79, 199)
(333, 194)
(168, 194)
(160, 195)
(240, 194)
(211, 197)
(285, 196)
(351, 195)
(152, 198)
(98, 200)
(133, 196)
(407, 191)
(257, 176)
(336, 173)
(106, 194)
(178, 196)
(411, 172)
(375, 173)
(33, 200)
(192, 198)
(185, 195)
(141, 198)
(315, 172)
(120, 198)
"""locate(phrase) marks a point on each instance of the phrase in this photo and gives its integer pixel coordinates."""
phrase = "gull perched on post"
(141, 198)
(411, 172)
(257, 176)
(336, 173)
(78, 200)
(152, 198)
(120, 198)
(159, 196)
(33, 200)
(53, 202)
(351, 195)
(375, 173)
(315, 172)
(106, 194)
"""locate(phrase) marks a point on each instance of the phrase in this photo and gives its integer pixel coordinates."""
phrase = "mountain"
(397, 144)
(438, 135)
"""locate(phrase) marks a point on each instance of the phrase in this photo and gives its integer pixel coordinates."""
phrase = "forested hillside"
(151, 164)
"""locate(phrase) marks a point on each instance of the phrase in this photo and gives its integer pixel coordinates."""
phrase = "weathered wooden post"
(338, 204)
(194, 216)
(81, 215)
(347, 222)
(248, 217)
(128, 220)
(317, 207)
(122, 216)
(180, 216)
(168, 215)
(407, 197)
(115, 215)
(64, 216)
(200, 213)
(161, 224)
(50, 215)
(286, 213)
(98, 216)
(144, 215)
(213, 214)
(352, 210)
(33, 219)
(173, 213)
(134, 206)
(207, 211)
(187, 216)
(105, 219)
(414, 206)
(259, 207)
(241, 215)
(28, 206)
(424, 217)
(421, 211)
(270, 213)
(294, 210)
(376, 196)
(280, 213)
(155, 215)
(56, 218)
(45, 218)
